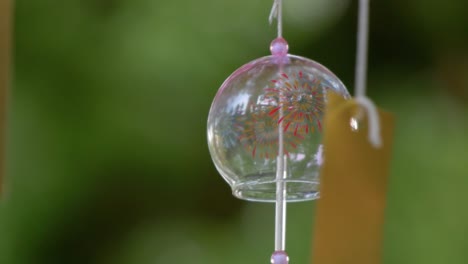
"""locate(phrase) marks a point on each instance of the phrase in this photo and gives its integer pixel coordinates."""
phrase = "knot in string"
(277, 13)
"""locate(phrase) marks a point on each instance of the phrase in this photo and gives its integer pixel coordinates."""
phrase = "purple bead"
(279, 47)
(279, 257)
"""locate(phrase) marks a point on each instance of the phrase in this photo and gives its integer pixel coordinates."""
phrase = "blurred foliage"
(108, 160)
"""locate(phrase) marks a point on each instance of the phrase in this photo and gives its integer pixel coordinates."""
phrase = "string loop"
(361, 75)
(373, 120)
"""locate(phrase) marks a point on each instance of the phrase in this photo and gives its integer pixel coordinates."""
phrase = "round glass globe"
(272, 105)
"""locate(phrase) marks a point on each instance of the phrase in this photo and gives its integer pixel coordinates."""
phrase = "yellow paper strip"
(5, 38)
(350, 212)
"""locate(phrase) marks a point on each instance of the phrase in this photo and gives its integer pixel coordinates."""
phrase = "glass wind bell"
(265, 130)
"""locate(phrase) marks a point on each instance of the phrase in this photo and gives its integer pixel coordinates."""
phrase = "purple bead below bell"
(279, 257)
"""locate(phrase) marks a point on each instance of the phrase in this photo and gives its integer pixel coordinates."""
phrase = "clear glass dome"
(272, 105)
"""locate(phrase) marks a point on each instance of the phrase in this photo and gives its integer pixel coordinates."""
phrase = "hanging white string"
(281, 161)
(361, 75)
(277, 12)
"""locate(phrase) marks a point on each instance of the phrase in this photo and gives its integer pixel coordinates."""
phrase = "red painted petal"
(280, 120)
(272, 112)
(287, 126)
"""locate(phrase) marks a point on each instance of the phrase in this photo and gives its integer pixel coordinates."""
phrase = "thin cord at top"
(277, 12)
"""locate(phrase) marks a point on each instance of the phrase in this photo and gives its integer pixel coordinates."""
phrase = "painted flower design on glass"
(301, 102)
(259, 134)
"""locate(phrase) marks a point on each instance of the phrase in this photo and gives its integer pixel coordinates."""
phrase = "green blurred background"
(108, 161)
